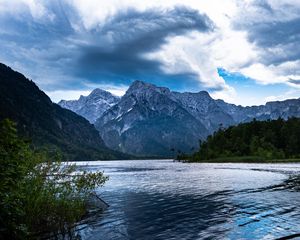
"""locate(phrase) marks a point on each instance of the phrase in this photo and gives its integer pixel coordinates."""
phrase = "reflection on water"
(160, 199)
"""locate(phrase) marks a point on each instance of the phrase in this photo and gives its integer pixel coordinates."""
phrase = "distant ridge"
(93, 105)
(154, 121)
(46, 123)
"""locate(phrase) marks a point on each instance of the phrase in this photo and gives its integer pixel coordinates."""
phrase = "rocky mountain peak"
(204, 94)
(101, 93)
(151, 120)
(139, 87)
(98, 91)
(92, 106)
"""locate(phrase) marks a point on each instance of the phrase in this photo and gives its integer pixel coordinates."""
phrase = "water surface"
(162, 199)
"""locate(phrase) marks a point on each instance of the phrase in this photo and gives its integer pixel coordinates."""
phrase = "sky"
(245, 52)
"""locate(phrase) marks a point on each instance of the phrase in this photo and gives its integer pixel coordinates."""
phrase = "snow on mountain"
(154, 121)
(151, 120)
(92, 106)
(205, 109)
(271, 110)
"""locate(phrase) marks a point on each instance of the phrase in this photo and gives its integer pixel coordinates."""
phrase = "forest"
(252, 141)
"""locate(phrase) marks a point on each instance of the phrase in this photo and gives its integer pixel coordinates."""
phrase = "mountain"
(46, 123)
(153, 121)
(205, 109)
(92, 106)
(271, 110)
(150, 120)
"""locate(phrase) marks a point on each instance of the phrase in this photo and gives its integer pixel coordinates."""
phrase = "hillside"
(264, 140)
(46, 123)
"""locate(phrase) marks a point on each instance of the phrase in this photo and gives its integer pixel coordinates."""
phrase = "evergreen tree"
(276, 139)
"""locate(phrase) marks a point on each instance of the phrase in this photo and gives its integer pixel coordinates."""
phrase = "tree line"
(264, 140)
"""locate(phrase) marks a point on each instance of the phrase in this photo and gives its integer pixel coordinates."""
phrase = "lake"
(162, 199)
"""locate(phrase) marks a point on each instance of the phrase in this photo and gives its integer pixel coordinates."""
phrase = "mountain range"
(47, 124)
(92, 106)
(154, 121)
(148, 121)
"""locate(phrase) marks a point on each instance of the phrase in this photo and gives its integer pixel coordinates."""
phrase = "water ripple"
(165, 200)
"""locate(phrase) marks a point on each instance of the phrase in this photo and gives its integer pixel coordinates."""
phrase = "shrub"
(39, 196)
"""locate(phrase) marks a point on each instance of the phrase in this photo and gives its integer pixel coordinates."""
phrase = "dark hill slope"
(271, 139)
(46, 123)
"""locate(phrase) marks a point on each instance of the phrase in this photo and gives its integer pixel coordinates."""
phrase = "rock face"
(272, 110)
(92, 106)
(204, 109)
(154, 121)
(46, 123)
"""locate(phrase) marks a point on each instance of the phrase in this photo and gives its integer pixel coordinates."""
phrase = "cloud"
(294, 81)
(60, 52)
(38, 46)
(58, 95)
(291, 94)
(35, 8)
(273, 28)
(77, 44)
(119, 46)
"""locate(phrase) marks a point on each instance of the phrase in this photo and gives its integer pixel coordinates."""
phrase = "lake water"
(162, 199)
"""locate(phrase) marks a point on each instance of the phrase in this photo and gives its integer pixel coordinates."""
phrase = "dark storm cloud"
(58, 52)
(120, 44)
(294, 81)
(263, 5)
(283, 35)
(276, 35)
(39, 47)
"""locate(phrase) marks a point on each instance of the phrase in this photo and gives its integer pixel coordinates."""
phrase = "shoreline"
(243, 160)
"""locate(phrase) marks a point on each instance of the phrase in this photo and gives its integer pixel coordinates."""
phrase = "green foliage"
(39, 196)
(265, 140)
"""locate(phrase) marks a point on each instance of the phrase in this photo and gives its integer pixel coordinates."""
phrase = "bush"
(39, 196)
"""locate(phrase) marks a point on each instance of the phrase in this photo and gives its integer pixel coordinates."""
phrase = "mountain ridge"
(47, 124)
(148, 115)
(170, 121)
(91, 106)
